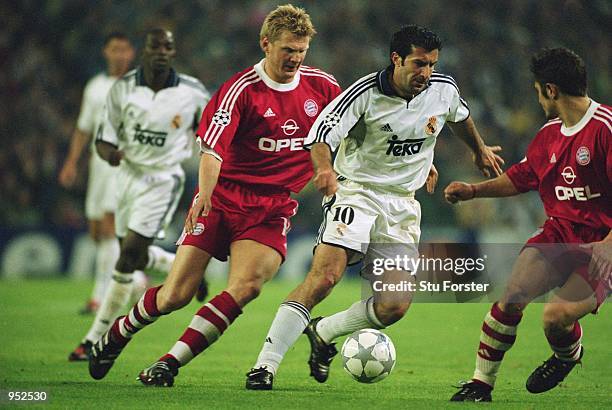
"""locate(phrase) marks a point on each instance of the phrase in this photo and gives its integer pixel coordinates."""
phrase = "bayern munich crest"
(221, 117)
(198, 229)
(310, 107)
(583, 156)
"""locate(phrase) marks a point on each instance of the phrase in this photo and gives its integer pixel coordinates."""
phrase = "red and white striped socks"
(142, 314)
(496, 338)
(567, 347)
(206, 327)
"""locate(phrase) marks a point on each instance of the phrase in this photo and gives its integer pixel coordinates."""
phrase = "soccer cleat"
(81, 353)
(160, 374)
(321, 353)
(550, 374)
(259, 379)
(202, 291)
(103, 355)
(472, 391)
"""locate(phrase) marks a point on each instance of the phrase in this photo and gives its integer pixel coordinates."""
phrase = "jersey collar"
(259, 68)
(384, 85)
(172, 81)
(568, 132)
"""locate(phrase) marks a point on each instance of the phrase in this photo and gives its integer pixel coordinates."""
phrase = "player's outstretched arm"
(498, 187)
(485, 157)
(208, 174)
(68, 173)
(109, 153)
(325, 176)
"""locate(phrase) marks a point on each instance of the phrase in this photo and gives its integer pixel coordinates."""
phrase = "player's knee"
(389, 313)
(557, 317)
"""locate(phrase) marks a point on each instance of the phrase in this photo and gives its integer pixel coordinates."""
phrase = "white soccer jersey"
(92, 106)
(154, 129)
(382, 139)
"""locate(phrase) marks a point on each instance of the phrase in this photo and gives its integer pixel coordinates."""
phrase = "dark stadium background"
(50, 48)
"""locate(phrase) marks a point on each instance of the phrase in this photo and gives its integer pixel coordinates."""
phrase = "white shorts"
(101, 195)
(357, 216)
(147, 201)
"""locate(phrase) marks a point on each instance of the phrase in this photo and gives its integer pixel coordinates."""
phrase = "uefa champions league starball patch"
(310, 107)
(583, 156)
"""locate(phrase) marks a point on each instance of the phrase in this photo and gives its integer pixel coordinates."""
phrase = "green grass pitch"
(435, 348)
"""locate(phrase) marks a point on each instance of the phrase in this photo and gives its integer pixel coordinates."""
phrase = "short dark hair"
(562, 67)
(411, 35)
(118, 35)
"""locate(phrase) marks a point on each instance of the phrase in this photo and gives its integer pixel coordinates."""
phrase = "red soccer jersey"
(258, 126)
(572, 168)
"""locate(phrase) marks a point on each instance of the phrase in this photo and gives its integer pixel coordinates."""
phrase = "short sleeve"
(523, 177)
(111, 120)
(87, 121)
(458, 110)
(339, 116)
(220, 119)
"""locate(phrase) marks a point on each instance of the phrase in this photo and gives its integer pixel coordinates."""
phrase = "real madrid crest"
(583, 156)
(431, 127)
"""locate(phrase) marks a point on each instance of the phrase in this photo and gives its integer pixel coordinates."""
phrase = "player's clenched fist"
(459, 191)
(326, 182)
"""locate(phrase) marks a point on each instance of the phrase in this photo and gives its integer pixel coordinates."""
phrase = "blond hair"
(287, 17)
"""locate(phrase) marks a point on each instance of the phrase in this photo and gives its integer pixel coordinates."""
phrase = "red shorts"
(559, 239)
(239, 212)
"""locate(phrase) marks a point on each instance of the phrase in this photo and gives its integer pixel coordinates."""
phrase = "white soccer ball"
(368, 355)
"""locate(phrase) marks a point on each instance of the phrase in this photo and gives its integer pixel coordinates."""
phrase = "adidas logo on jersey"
(269, 113)
(553, 159)
(386, 128)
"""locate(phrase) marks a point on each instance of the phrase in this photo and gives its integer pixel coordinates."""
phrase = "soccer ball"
(368, 355)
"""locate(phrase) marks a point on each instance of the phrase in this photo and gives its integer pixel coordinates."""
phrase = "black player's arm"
(109, 152)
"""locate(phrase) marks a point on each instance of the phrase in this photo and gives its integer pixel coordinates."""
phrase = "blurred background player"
(569, 162)
(251, 137)
(150, 116)
(100, 202)
(390, 118)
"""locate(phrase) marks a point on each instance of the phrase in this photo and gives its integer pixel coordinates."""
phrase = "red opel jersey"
(258, 126)
(572, 168)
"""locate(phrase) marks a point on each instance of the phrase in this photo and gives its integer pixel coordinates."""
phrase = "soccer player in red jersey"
(250, 137)
(569, 163)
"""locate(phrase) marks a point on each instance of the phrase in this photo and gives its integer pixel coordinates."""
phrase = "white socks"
(160, 259)
(289, 323)
(115, 299)
(360, 315)
(107, 254)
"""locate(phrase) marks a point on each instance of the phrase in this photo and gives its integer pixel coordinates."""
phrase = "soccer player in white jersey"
(100, 199)
(150, 116)
(384, 128)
